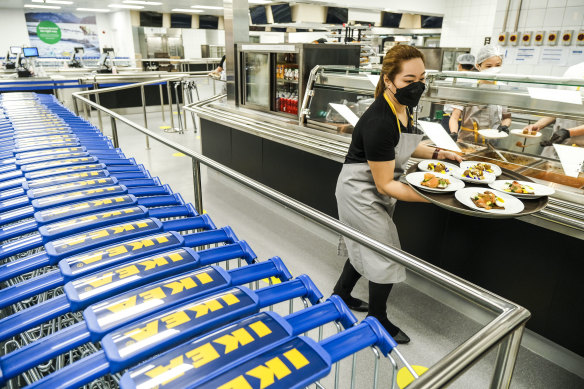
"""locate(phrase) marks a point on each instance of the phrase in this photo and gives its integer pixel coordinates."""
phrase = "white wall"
(305, 37)
(361, 15)
(13, 30)
(115, 30)
(541, 15)
(467, 22)
(194, 38)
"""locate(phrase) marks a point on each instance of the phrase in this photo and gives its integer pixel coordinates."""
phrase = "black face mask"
(410, 95)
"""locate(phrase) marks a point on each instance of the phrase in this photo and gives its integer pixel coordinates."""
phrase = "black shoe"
(401, 338)
(356, 304)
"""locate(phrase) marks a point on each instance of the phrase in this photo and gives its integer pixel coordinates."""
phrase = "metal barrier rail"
(505, 330)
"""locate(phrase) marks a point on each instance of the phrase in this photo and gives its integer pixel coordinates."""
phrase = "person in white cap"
(566, 131)
(452, 112)
(476, 117)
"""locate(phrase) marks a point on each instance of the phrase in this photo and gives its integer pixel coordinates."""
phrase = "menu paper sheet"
(439, 136)
(346, 113)
(561, 95)
(571, 158)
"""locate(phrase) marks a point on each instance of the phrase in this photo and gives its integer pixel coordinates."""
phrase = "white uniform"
(576, 71)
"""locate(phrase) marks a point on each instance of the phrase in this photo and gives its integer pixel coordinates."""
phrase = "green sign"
(48, 32)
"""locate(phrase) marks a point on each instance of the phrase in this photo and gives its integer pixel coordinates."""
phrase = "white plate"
(496, 169)
(512, 204)
(416, 178)
(493, 133)
(519, 132)
(539, 190)
(424, 165)
(488, 177)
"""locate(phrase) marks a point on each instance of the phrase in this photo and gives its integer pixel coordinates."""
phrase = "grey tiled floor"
(271, 230)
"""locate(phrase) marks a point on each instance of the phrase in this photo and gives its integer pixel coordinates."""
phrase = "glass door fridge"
(256, 84)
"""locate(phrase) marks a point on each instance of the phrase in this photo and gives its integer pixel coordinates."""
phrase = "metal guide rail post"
(109, 253)
(505, 330)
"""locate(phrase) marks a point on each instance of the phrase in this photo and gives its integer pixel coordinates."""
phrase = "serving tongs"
(489, 145)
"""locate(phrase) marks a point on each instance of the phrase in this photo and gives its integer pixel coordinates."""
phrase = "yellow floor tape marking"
(178, 155)
(404, 377)
(164, 127)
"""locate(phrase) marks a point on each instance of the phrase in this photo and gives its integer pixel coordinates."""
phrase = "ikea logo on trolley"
(291, 364)
(104, 281)
(96, 219)
(187, 365)
(93, 260)
(50, 201)
(132, 305)
(64, 178)
(63, 170)
(67, 211)
(125, 343)
(75, 243)
(55, 189)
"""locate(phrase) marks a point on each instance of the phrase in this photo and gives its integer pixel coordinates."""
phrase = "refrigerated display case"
(273, 77)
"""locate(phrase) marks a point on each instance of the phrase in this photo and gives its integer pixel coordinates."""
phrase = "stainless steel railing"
(504, 331)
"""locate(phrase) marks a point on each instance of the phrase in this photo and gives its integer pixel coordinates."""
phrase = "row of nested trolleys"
(108, 277)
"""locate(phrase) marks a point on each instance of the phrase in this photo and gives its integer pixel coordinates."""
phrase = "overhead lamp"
(52, 1)
(94, 9)
(187, 10)
(42, 6)
(141, 2)
(126, 6)
(206, 7)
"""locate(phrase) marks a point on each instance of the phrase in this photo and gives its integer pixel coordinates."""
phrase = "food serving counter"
(303, 158)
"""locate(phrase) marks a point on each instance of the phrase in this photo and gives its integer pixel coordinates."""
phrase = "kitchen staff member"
(368, 186)
(566, 131)
(452, 113)
(477, 117)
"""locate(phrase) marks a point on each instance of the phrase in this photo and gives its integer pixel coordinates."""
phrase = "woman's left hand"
(443, 154)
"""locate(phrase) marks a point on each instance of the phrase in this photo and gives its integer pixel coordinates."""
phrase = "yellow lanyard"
(393, 110)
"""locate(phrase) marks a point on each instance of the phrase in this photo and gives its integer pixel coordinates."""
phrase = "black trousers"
(378, 295)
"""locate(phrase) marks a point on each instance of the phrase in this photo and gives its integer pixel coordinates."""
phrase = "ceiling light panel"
(94, 9)
(141, 2)
(189, 10)
(42, 6)
(126, 6)
(206, 7)
(52, 1)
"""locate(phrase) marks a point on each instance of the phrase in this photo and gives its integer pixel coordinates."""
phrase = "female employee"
(368, 185)
(452, 113)
(477, 117)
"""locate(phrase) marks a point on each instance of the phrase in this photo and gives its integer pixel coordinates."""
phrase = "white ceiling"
(167, 5)
(427, 7)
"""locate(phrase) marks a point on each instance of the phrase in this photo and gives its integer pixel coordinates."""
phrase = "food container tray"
(553, 172)
(516, 162)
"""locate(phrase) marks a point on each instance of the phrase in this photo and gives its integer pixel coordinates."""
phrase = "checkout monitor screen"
(30, 51)
(15, 49)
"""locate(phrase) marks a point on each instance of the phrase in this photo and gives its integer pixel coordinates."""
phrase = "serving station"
(541, 245)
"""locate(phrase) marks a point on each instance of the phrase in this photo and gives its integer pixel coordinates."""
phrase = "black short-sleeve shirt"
(375, 135)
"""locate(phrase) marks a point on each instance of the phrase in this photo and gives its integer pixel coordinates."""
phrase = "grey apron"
(362, 207)
(481, 116)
